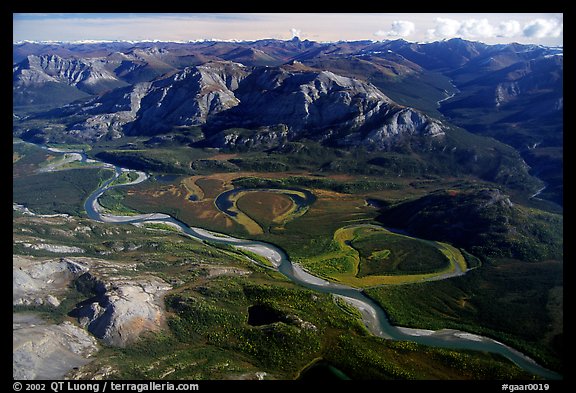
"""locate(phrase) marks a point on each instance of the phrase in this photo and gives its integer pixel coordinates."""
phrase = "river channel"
(373, 315)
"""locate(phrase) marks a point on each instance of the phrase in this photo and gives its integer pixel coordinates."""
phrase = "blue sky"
(491, 28)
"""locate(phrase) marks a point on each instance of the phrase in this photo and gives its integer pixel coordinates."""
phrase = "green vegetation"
(379, 255)
(460, 154)
(345, 187)
(353, 311)
(370, 255)
(371, 358)
(256, 257)
(143, 160)
(26, 157)
(71, 146)
(125, 177)
(471, 260)
(508, 300)
(483, 221)
(464, 201)
(47, 96)
(161, 226)
(403, 255)
(112, 200)
(210, 338)
(58, 192)
(219, 317)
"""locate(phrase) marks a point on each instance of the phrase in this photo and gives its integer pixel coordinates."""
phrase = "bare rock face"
(400, 123)
(310, 99)
(189, 97)
(118, 312)
(285, 105)
(123, 309)
(86, 74)
(108, 117)
(43, 351)
(186, 98)
(493, 196)
(41, 282)
(275, 103)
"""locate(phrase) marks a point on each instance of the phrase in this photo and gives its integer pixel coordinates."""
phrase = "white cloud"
(542, 28)
(467, 28)
(295, 32)
(510, 28)
(399, 28)
(443, 28)
(476, 28)
(482, 29)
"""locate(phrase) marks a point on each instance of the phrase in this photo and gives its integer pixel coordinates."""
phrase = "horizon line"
(232, 40)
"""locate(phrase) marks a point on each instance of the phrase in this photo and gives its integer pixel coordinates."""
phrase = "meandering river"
(372, 314)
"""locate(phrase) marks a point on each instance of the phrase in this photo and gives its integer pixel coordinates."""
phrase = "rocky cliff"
(118, 309)
(300, 101)
(46, 351)
(88, 75)
(122, 308)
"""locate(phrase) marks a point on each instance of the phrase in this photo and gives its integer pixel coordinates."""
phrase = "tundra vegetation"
(209, 333)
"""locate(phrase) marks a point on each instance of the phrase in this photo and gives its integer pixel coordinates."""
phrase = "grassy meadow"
(366, 256)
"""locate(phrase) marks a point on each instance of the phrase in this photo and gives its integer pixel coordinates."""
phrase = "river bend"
(373, 315)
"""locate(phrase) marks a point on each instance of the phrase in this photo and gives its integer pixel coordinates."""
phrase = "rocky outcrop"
(493, 196)
(254, 106)
(123, 309)
(54, 248)
(90, 75)
(263, 137)
(108, 115)
(314, 100)
(505, 92)
(42, 282)
(44, 351)
(402, 123)
(119, 308)
(279, 104)
(186, 98)
(189, 97)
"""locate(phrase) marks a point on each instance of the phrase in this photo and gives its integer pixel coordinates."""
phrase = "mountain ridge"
(227, 94)
(403, 96)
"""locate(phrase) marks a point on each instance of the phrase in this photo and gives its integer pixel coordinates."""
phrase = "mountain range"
(379, 96)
